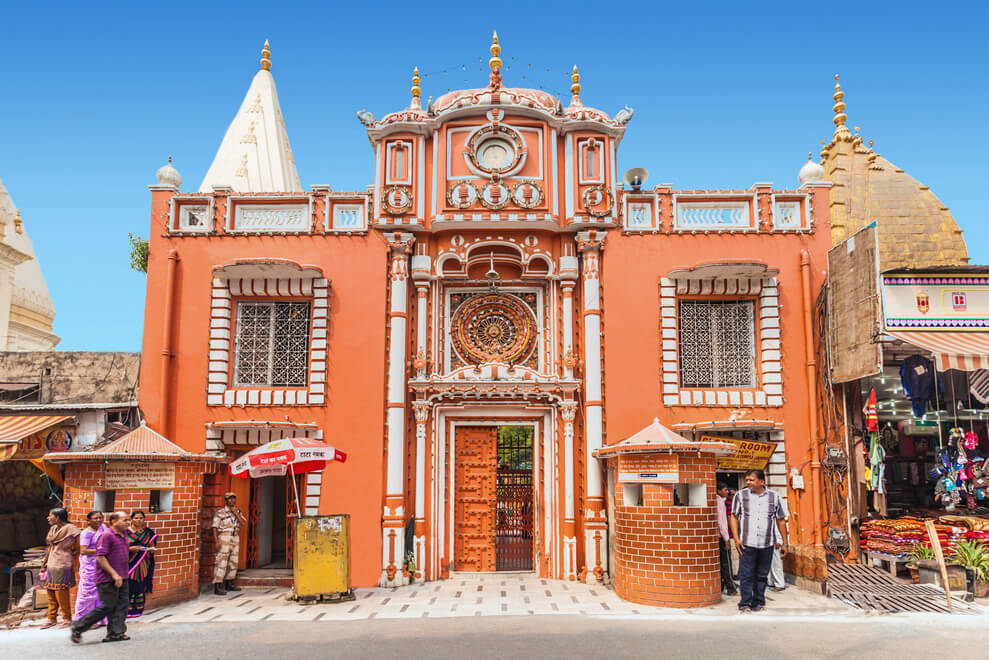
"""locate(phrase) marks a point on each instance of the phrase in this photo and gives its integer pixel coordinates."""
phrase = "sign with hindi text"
(137, 474)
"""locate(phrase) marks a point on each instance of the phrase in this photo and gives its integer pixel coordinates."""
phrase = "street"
(561, 636)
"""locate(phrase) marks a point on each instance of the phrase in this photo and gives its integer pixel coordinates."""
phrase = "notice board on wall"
(648, 468)
(138, 474)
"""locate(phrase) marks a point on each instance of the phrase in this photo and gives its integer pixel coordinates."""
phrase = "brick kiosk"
(664, 523)
(144, 471)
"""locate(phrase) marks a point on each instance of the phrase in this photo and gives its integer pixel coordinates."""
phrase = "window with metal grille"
(717, 343)
(271, 347)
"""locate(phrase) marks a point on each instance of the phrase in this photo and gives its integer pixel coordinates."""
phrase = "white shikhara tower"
(26, 310)
(255, 155)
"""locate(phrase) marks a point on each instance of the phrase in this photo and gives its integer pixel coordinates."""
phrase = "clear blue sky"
(94, 96)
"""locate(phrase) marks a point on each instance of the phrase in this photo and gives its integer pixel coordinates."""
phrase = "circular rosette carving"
(495, 196)
(528, 195)
(396, 199)
(462, 194)
(494, 327)
(598, 201)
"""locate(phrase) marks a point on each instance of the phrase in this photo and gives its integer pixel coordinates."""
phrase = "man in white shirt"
(724, 543)
(757, 514)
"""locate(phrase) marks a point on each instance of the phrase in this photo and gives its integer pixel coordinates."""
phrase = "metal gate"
(514, 520)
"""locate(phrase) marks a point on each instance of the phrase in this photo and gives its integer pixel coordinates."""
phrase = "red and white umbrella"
(287, 456)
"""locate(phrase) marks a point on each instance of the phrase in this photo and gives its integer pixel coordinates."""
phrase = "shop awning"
(952, 350)
(16, 428)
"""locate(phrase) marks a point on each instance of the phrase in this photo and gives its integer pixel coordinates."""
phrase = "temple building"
(26, 310)
(528, 357)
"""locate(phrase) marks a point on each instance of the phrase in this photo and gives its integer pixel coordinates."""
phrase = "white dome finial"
(168, 175)
(811, 171)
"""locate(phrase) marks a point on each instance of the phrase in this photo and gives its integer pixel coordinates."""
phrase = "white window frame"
(270, 304)
(717, 352)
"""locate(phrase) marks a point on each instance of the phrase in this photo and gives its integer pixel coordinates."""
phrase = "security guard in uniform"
(226, 536)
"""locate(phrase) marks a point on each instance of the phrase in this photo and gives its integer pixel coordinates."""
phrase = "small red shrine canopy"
(658, 438)
(141, 444)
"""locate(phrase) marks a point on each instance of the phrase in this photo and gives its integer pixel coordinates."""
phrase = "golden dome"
(915, 227)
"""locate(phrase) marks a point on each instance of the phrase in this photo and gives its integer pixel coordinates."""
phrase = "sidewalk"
(473, 595)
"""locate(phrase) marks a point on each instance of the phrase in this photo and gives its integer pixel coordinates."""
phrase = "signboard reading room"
(132, 474)
(749, 455)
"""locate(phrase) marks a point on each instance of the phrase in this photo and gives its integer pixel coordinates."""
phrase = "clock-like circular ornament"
(495, 149)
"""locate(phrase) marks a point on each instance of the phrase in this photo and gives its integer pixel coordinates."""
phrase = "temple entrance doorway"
(494, 506)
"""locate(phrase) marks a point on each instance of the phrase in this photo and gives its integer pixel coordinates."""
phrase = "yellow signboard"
(749, 454)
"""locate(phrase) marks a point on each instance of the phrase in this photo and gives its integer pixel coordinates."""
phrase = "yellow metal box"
(322, 555)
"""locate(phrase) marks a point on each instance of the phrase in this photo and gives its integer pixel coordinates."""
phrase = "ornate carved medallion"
(527, 195)
(494, 327)
(598, 201)
(495, 196)
(462, 194)
(396, 199)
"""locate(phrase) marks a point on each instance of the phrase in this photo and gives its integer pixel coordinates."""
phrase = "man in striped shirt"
(756, 514)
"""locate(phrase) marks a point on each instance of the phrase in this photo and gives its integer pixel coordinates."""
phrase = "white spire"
(255, 155)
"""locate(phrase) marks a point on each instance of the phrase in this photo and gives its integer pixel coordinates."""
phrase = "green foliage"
(974, 556)
(138, 252)
(920, 552)
(515, 447)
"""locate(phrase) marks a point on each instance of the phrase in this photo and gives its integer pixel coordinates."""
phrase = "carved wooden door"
(475, 497)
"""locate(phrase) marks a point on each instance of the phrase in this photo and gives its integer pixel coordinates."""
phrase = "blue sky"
(95, 96)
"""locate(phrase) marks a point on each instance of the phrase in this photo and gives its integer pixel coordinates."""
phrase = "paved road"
(543, 637)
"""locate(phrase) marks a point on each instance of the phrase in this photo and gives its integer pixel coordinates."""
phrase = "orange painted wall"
(352, 418)
(632, 267)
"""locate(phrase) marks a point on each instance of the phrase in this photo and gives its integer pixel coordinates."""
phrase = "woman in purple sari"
(86, 598)
(141, 567)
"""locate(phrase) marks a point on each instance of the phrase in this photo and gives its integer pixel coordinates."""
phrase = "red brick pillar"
(666, 554)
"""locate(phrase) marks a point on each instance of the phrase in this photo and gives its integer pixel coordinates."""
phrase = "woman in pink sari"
(86, 598)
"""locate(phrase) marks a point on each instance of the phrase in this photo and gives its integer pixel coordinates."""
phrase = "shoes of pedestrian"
(777, 588)
(76, 637)
(745, 610)
(49, 624)
(231, 586)
(757, 608)
(218, 589)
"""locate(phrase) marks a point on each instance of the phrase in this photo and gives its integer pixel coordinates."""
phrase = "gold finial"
(810, 155)
(841, 131)
(872, 156)
(495, 61)
(266, 57)
(575, 77)
(415, 83)
(18, 223)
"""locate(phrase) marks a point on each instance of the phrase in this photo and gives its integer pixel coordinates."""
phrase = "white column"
(393, 519)
(569, 355)
(421, 410)
(568, 411)
(589, 244)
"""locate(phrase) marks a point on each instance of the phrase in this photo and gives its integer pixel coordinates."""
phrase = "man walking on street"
(112, 554)
(226, 536)
(756, 515)
(724, 543)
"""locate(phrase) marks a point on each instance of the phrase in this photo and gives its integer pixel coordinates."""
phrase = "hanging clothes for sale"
(917, 377)
(871, 415)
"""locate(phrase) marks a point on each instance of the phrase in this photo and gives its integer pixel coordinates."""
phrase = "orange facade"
(496, 308)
